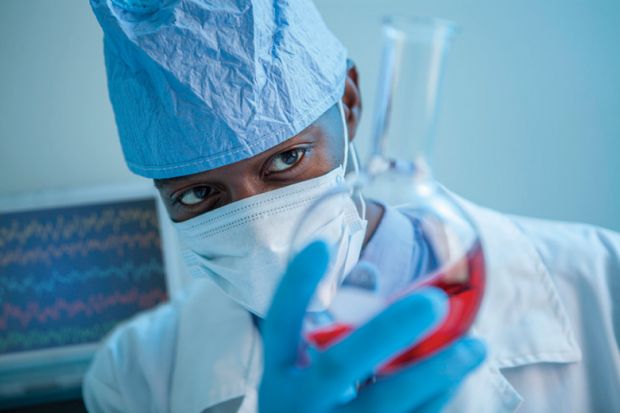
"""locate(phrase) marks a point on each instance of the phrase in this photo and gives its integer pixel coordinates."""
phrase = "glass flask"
(447, 252)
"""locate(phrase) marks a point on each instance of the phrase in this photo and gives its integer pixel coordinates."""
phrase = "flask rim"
(411, 27)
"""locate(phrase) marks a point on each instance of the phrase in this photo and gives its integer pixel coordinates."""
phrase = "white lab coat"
(550, 317)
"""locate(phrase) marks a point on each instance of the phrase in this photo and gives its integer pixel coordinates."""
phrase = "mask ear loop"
(349, 150)
(345, 134)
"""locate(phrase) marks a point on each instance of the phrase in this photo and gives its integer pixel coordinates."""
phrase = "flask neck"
(412, 65)
(417, 169)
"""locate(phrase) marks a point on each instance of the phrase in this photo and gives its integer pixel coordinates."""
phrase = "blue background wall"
(529, 124)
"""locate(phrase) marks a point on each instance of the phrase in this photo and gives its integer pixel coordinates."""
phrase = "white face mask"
(244, 246)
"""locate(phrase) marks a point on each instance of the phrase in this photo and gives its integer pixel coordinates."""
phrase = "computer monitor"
(73, 265)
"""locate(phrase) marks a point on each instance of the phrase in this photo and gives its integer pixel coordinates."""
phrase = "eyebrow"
(162, 183)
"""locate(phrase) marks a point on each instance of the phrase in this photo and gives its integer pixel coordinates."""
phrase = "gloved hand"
(425, 386)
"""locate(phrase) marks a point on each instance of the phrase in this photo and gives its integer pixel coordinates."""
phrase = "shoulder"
(584, 264)
(574, 250)
(148, 362)
(133, 366)
(567, 249)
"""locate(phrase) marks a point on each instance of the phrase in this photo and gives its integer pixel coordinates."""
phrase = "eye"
(194, 195)
(285, 160)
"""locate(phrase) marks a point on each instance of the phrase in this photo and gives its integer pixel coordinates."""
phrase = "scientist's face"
(315, 151)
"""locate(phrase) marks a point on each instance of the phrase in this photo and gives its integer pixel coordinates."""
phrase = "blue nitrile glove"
(425, 386)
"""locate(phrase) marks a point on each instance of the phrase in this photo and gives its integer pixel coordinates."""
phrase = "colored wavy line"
(117, 243)
(47, 283)
(23, 341)
(76, 226)
(93, 305)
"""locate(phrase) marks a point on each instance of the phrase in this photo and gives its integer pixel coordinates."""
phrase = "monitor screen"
(69, 273)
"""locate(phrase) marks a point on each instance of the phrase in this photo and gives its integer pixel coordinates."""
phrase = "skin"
(313, 152)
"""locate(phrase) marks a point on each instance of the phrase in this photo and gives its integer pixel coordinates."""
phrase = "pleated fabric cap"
(198, 84)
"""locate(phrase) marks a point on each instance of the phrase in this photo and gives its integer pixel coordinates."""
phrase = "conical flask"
(446, 249)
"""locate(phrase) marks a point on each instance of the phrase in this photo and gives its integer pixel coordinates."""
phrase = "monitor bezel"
(70, 197)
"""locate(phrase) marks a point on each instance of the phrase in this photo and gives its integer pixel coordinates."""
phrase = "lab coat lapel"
(521, 318)
(521, 315)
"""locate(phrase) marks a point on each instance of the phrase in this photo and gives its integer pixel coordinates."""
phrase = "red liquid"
(464, 284)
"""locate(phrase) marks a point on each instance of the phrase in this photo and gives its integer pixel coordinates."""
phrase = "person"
(243, 113)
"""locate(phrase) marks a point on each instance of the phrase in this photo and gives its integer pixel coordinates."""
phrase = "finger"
(437, 404)
(399, 326)
(282, 326)
(422, 384)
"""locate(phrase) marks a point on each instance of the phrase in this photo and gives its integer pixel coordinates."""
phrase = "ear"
(352, 99)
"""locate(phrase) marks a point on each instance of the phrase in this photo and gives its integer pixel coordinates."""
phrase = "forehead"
(328, 128)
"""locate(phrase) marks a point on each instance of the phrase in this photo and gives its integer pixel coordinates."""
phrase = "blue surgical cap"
(198, 84)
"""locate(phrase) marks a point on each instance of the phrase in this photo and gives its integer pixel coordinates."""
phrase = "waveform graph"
(69, 274)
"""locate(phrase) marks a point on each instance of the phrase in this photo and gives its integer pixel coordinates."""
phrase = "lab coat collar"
(521, 318)
(390, 249)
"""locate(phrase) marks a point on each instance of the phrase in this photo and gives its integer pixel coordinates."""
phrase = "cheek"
(167, 205)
